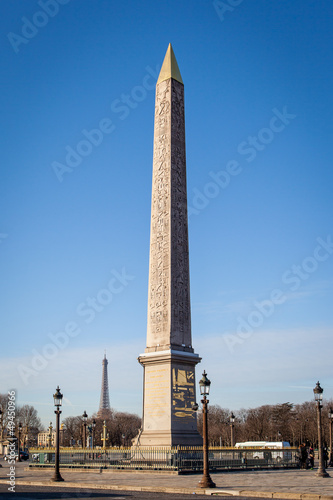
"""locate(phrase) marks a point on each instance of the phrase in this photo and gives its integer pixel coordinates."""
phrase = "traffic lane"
(53, 493)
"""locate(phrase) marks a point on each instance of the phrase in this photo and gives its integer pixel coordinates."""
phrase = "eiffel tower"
(104, 403)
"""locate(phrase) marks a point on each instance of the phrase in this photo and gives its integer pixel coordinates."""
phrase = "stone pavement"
(283, 484)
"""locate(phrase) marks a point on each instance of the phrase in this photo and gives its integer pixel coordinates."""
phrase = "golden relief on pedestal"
(182, 392)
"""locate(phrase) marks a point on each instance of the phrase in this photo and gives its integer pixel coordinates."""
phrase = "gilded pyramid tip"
(170, 67)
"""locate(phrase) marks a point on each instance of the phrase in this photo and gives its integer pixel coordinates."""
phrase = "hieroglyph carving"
(169, 318)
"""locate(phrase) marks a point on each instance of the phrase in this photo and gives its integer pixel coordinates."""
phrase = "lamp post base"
(322, 473)
(57, 477)
(206, 482)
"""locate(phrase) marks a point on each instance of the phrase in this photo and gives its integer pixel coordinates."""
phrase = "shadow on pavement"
(32, 494)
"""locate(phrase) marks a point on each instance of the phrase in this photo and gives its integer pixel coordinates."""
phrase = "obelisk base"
(169, 382)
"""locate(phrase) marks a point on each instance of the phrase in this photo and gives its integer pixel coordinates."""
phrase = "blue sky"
(77, 106)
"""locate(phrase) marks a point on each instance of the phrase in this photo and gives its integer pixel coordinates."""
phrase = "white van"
(258, 448)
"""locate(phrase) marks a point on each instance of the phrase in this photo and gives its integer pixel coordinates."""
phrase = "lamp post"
(57, 396)
(19, 441)
(104, 435)
(50, 435)
(93, 425)
(330, 416)
(232, 421)
(26, 438)
(318, 395)
(84, 418)
(62, 435)
(204, 383)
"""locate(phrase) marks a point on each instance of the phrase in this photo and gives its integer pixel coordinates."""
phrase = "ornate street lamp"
(330, 416)
(318, 395)
(84, 418)
(232, 421)
(204, 383)
(19, 441)
(57, 396)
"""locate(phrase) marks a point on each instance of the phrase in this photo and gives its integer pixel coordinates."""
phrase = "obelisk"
(169, 359)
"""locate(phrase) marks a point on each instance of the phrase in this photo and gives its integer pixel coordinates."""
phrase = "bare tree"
(4, 415)
(31, 425)
(121, 428)
(25, 415)
(258, 424)
(281, 416)
(72, 430)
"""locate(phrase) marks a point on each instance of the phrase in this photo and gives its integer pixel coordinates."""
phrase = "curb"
(285, 495)
(94, 486)
(185, 491)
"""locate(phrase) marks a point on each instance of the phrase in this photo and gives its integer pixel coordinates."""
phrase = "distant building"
(43, 439)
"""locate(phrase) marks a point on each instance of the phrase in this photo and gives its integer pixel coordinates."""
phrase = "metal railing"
(182, 459)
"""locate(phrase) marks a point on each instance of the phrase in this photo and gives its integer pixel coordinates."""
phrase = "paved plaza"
(283, 484)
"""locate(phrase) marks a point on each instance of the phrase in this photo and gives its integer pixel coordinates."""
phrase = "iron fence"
(182, 459)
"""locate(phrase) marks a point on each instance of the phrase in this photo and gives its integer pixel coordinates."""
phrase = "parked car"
(23, 455)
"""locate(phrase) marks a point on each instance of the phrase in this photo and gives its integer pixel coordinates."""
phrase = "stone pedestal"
(169, 391)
